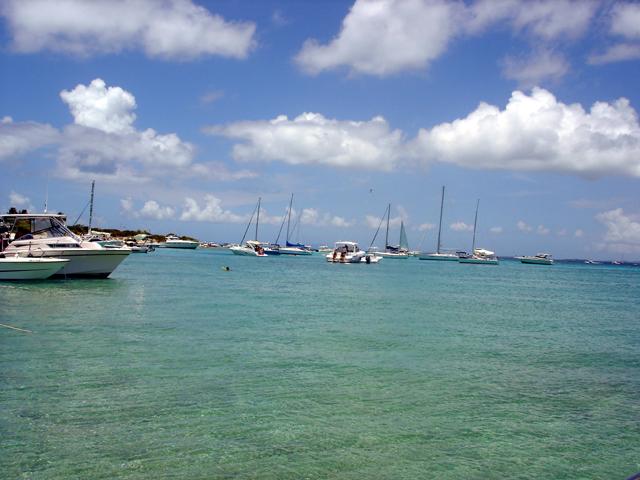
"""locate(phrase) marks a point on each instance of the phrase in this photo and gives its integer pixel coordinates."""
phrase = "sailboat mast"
(258, 218)
(289, 218)
(386, 238)
(440, 224)
(93, 185)
(475, 224)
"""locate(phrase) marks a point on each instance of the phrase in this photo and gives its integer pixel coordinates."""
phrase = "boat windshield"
(42, 227)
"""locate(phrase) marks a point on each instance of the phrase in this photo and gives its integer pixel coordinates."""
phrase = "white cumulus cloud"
(211, 211)
(461, 227)
(537, 132)
(523, 227)
(616, 53)
(169, 29)
(314, 217)
(542, 230)
(104, 142)
(625, 20)
(625, 24)
(496, 230)
(151, 209)
(543, 65)
(382, 37)
(18, 138)
(311, 138)
(425, 227)
(18, 200)
(578, 233)
(623, 230)
(109, 109)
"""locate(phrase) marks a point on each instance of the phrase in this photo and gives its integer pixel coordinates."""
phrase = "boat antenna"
(46, 195)
(248, 225)
(258, 218)
(440, 224)
(386, 238)
(93, 186)
(376, 234)
(475, 223)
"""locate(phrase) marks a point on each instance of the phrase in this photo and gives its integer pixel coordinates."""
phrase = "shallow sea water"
(291, 368)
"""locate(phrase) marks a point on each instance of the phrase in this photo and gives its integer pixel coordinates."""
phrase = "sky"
(185, 112)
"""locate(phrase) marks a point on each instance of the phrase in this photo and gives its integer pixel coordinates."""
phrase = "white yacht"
(29, 268)
(46, 235)
(538, 259)
(438, 254)
(173, 241)
(481, 256)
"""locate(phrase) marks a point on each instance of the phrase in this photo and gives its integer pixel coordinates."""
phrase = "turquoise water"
(291, 368)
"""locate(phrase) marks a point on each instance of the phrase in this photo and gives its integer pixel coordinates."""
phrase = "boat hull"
(346, 259)
(480, 261)
(185, 245)
(21, 268)
(395, 256)
(440, 257)
(294, 251)
(536, 261)
(247, 252)
(89, 263)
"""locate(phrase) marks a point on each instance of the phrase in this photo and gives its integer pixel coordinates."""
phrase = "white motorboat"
(29, 268)
(46, 235)
(538, 259)
(479, 256)
(140, 247)
(371, 258)
(173, 241)
(250, 248)
(347, 252)
(439, 254)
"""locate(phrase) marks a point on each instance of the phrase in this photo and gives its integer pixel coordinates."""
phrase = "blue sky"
(185, 112)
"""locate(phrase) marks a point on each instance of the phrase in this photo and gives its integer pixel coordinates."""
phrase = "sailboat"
(479, 255)
(291, 248)
(400, 251)
(252, 247)
(438, 254)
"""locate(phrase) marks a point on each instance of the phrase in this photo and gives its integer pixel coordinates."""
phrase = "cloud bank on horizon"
(533, 132)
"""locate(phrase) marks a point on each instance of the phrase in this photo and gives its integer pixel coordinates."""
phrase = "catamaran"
(438, 254)
(479, 255)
